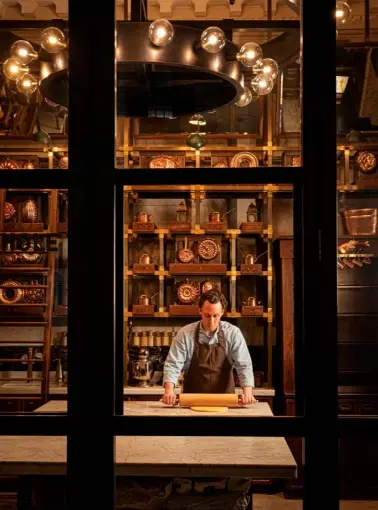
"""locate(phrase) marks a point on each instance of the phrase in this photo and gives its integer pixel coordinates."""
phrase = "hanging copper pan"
(185, 254)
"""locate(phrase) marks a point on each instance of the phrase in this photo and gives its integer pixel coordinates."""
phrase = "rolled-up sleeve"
(241, 359)
(176, 359)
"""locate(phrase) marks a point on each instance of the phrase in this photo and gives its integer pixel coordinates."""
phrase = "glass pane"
(179, 243)
(232, 102)
(34, 89)
(33, 298)
(357, 466)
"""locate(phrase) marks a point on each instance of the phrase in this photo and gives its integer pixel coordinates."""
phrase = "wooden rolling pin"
(209, 399)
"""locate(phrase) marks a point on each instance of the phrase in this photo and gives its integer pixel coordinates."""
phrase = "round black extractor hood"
(163, 82)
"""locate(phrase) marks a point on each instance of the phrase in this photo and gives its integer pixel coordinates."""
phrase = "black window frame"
(95, 190)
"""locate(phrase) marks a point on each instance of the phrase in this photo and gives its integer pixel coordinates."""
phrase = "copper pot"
(144, 300)
(144, 259)
(215, 217)
(249, 259)
(251, 301)
(143, 217)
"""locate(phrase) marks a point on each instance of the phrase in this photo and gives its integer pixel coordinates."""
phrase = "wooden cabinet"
(19, 404)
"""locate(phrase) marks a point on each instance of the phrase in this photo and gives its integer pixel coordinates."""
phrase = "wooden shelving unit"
(162, 242)
(33, 277)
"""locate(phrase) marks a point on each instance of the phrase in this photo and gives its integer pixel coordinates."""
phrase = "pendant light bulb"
(13, 68)
(213, 39)
(23, 51)
(245, 98)
(53, 40)
(262, 84)
(250, 54)
(342, 13)
(27, 84)
(161, 32)
(267, 66)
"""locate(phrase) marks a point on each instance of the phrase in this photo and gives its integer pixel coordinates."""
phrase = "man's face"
(211, 315)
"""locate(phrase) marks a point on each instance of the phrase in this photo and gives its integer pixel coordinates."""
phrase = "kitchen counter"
(21, 388)
(160, 409)
(256, 457)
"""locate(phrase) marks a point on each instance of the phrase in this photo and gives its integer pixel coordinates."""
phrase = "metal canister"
(136, 339)
(150, 339)
(157, 340)
(144, 339)
(165, 339)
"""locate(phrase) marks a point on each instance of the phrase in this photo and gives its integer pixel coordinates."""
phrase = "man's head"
(212, 305)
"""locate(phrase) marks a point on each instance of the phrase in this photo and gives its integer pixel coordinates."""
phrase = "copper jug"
(143, 217)
(144, 259)
(144, 300)
(251, 301)
(214, 217)
(249, 259)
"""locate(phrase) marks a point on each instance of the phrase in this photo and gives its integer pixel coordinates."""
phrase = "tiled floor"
(277, 502)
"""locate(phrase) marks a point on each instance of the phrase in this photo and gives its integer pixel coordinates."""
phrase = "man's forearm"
(169, 387)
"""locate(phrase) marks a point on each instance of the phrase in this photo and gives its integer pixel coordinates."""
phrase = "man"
(207, 351)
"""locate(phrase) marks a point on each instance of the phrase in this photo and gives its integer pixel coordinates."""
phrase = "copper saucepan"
(215, 217)
(143, 217)
(185, 254)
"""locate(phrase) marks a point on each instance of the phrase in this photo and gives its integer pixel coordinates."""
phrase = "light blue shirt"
(181, 352)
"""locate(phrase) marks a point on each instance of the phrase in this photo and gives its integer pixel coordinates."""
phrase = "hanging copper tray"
(9, 164)
(366, 161)
(244, 160)
(188, 292)
(9, 211)
(208, 249)
(15, 297)
(161, 162)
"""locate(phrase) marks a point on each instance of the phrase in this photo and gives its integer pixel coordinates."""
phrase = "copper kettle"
(145, 300)
(251, 301)
(143, 217)
(144, 259)
(214, 217)
(249, 259)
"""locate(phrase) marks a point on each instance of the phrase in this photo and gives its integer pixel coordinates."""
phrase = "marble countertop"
(256, 457)
(20, 388)
(159, 409)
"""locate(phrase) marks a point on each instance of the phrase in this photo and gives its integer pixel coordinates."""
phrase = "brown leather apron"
(210, 371)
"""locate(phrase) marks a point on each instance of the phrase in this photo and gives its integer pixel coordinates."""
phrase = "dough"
(208, 409)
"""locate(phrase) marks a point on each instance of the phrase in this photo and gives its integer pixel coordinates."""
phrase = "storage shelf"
(164, 315)
(24, 305)
(199, 232)
(24, 269)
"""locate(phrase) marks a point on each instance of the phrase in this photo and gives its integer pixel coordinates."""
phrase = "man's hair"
(213, 297)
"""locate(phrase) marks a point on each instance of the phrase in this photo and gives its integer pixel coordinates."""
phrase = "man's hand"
(169, 396)
(247, 397)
